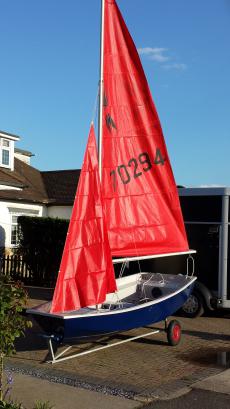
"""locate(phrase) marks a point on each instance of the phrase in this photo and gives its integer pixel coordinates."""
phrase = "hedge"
(41, 242)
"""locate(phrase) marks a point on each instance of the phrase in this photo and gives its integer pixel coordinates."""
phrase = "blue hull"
(89, 327)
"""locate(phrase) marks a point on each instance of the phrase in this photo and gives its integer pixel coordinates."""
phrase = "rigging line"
(95, 106)
(101, 92)
(135, 245)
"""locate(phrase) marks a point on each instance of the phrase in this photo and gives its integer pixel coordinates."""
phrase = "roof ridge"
(60, 170)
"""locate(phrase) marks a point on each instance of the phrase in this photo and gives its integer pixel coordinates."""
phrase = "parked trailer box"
(206, 216)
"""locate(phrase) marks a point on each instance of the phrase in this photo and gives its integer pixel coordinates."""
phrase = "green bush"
(12, 324)
(15, 405)
(41, 242)
(13, 299)
(43, 405)
(10, 405)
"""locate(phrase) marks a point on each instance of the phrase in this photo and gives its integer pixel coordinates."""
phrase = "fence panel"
(16, 268)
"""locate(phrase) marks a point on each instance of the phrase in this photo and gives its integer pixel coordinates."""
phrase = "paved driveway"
(140, 369)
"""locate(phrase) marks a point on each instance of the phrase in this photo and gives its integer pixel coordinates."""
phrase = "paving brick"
(144, 367)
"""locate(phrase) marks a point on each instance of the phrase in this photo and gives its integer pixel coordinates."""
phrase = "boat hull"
(65, 329)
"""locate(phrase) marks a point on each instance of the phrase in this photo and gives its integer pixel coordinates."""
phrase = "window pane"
(14, 219)
(14, 234)
(5, 157)
(15, 228)
(6, 143)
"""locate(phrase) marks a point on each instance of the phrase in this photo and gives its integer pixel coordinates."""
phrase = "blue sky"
(49, 74)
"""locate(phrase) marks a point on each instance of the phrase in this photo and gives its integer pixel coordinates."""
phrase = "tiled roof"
(61, 185)
(52, 187)
(9, 178)
(26, 177)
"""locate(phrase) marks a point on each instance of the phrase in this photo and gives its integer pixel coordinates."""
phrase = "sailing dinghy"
(126, 208)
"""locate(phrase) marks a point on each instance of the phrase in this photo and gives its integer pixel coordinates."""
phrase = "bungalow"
(24, 190)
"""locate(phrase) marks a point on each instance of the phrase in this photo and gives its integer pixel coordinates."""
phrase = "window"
(5, 157)
(5, 152)
(14, 230)
(6, 143)
(15, 213)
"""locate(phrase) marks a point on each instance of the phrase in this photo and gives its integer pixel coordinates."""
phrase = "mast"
(101, 89)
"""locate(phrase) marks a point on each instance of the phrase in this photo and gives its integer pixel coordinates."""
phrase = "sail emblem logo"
(108, 119)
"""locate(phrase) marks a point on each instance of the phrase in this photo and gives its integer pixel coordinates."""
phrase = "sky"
(49, 71)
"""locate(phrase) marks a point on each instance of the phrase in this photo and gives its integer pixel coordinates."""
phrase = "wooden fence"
(18, 270)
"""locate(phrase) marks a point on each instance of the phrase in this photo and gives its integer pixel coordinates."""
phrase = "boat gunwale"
(101, 312)
(119, 260)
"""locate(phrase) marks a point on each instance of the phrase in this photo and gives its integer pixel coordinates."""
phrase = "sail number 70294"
(135, 168)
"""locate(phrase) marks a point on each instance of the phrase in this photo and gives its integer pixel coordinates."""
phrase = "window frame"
(17, 213)
(5, 148)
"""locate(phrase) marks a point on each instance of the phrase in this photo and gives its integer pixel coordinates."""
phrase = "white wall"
(22, 157)
(4, 225)
(62, 212)
(9, 208)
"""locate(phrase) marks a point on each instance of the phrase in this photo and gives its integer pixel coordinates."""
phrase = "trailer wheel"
(174, 333)
(58, 335)
(194, 306)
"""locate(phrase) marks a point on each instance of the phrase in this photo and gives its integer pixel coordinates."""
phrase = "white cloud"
(155, 54)
(175, 66)
(160, 55)
(211, 185)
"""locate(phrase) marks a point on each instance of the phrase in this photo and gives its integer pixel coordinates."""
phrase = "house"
(24, 190)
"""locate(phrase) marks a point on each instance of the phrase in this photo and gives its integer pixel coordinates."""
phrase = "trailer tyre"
(194, 306)
(174, 333)
(58, 335)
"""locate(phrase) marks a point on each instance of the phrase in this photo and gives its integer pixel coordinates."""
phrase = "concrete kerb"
(216, 383)
(27, 390)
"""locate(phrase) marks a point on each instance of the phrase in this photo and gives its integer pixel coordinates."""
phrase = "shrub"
(12, 323)
(42, 405)
(10, 405)
(41, 242)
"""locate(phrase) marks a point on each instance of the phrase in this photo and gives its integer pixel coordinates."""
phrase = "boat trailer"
(172, 329)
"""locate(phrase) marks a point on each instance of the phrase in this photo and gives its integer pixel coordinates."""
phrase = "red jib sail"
(86, 272)
(141, 202)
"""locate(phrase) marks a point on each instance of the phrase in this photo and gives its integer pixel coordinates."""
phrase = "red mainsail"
(86, 272)
(142, 207)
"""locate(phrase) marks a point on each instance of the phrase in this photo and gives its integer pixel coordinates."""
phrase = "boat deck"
(141, 288)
